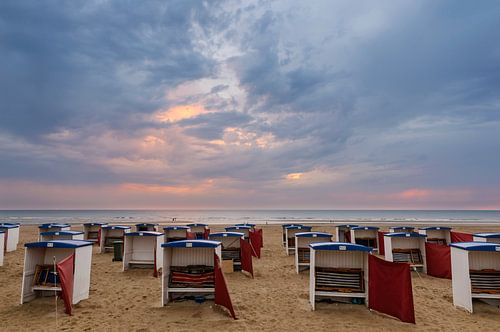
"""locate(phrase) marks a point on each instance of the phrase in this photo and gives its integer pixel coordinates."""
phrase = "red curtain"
(65, 270)
(99, 236)
(460, 237)
(347, 236)
(256, 242)
(389, 289)
(381, 248)
(246, 256)
(438, 260)
(206, 233)
(222, 297)
(261, 236)
(190, 236)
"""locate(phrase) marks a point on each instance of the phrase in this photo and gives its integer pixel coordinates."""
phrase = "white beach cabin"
(240, 229)
(53, 227)
(91, 231)
(401, 229)
(290, 232)
(338, 270)
(176, 233)
(341, 232)
(283, 229)
(60, 235)
(199, 230)
(437, 234)
(188, 269)
(2, 245)
(146, 227)
(302, 250)
(475, 270)
(406, 248)
(110, 234)
(366, 236)
(11, 236)
(143, 249)
(231, 249)
(487, 237)
(39, 277)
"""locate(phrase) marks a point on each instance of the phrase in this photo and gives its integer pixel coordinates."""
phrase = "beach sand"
(276, 300)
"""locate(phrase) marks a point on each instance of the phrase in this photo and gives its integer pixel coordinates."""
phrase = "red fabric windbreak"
(389, 289)
(381, 247)
(99, 236)
(65, 270)
(155, 267)
(206, 233)
(261, 236)
(460, 237)
(246, 256)
(255, 241)
(438, 260)
(222, 297)
(190, 236)
(347, 236)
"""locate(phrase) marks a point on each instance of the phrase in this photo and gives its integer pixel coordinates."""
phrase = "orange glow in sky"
(180, 112)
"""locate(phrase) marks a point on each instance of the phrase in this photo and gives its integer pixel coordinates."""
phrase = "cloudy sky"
(250, 104)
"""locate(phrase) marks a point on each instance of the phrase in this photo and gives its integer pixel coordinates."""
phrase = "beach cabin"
(189, 269)
(200, 230)
(146, 227)
(338, 271)
(475, 270)
(176, 233)
(401, 229)
(290, 232)
(486, 237)
(240, 229)
(143, 250)
(73, 260)
(437, 234)
(343, 232)
(231, 247)
(252, 226)
(283, 230)
(53, 227)
(60, 235)
(302, 250)
(11, 234)
(2, 245)
(91, 231)
(365, 235)
(406, 248)
(110, 234)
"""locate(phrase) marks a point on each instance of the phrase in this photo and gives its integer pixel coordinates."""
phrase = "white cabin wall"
(59, 253)
(192, 256)
(312, 279)
(339, 259)
(83, 264)
(159, 251)
(460, 281)
(32, 258)
(388, 248)
(142, 247)
(2, 246)
(479, 260)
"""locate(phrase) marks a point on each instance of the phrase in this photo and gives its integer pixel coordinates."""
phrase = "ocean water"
(252, 216)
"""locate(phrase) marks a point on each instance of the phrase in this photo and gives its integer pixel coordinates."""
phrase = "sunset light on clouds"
(251, 104)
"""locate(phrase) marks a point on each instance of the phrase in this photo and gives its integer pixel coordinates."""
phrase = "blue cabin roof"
(61, 233)
(2, 232)
(245, 224)
(402, 234)
(173, 228)
(366, 228)
(8, 225)
(237, 227)
(313, 234)
(95, 223)
(287, 225)
(402, 227)
(477, 246)
(115, 227)
(197, 225)
(59, 244)
(146, 224)
(143, 233)
(339, 246)
(299, 227)
(192, 244)
(488, 235)
(53, 225)
(346, 226)
(435, 228)
(226, 234)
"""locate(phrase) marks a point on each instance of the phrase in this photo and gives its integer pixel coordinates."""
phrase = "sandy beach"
(277, 299)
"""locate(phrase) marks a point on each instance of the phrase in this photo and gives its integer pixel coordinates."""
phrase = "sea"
(413, 217)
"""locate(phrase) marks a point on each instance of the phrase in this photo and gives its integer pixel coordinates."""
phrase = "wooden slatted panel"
(369, 242)
(413, 256)
(437, 241)
(304, 255)
(339, 280)
(233, 254)
(485, 281)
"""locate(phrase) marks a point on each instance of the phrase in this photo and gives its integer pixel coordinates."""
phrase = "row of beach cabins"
(364, 266)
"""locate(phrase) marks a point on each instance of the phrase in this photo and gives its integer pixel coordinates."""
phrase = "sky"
(249, 104)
